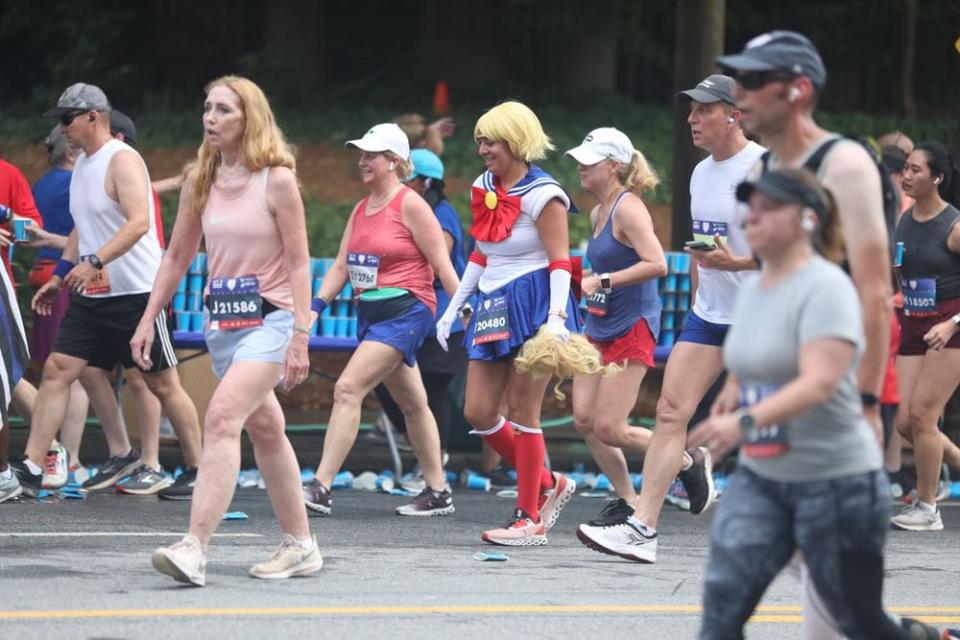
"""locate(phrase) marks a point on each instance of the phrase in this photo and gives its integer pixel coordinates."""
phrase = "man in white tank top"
(109, 264)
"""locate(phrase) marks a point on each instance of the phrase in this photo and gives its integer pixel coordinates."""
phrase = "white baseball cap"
(605, 143)
(384, 137)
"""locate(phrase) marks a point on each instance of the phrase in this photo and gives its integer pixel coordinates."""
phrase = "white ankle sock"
(687, 461)
(929, 508)
(34, 469)
(649, 531)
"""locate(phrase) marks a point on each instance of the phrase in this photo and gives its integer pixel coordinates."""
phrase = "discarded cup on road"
(366, 481)
(490, 556)
(343, 480)
(478, 483)
(385, 483)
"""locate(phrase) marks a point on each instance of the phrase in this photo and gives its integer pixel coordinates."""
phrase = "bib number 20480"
(493, 321)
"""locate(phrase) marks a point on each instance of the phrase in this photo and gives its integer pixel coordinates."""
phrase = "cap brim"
(584, 156)
(746, 189)
(743, 62)
(699, 95)
(56, 112)
(366, 145)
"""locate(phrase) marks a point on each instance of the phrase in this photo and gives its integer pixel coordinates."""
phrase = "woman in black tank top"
(928, 361)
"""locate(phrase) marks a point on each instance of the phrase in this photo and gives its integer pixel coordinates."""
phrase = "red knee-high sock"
(530, 455)
(503, 442)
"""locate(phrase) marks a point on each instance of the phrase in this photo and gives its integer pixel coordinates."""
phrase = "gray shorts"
(266, 343)
(839, 524)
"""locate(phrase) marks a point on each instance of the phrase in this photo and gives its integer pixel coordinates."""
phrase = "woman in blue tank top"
(623, 305)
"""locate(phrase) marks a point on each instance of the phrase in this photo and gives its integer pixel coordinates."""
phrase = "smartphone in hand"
(699, 245)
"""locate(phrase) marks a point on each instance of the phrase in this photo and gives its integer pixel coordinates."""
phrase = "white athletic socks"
(929, 508)
(647, 531)
(687, 461)
(34, 469)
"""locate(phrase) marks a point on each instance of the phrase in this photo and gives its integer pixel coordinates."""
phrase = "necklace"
(230, 180)
(371, 204)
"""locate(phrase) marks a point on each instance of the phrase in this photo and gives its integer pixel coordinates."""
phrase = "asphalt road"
(82, 570)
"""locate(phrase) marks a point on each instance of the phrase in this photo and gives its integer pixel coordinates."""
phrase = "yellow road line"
(776, 614)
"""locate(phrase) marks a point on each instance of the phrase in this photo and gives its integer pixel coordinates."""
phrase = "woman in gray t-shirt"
(810, 476)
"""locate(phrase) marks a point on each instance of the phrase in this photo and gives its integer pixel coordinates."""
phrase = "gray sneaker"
(9, 487)
(184, 561)
(290, 560)
(429, 503)
(113, 470)
(916, 518)
(144, 482)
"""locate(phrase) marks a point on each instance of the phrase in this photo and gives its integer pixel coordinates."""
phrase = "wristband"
(560, 264)
(318, 304)
(63, 268)
(302, 328)
(869, 400)
(606, 284)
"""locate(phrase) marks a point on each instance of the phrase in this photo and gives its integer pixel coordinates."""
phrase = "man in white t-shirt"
(696, 360)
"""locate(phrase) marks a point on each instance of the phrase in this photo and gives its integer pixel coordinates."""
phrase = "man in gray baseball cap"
(713, 88)
(77, 99)
(784, 51)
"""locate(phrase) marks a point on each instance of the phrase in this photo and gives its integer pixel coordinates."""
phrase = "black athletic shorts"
(99, 330)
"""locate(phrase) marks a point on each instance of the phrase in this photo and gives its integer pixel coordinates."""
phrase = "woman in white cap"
(391, 248)
(623, 305)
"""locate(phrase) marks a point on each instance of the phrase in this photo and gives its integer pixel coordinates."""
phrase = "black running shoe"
(113, 470)
(317, 497)
(182, 487)
(698, 480)
(29, 481)
(917, 630)
(615, 512)
(500, 478)
(429, 503)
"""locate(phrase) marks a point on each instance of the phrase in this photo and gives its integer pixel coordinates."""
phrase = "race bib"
(770, 441)
(493, 322)
(362, 268)
(919, 297)
(599, 304)
(100, 283)
(235, 303)
(705, 230)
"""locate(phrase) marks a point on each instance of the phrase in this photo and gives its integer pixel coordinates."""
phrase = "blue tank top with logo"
(625, 305)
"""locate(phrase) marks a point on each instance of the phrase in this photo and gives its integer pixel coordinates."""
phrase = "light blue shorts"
(266, 343)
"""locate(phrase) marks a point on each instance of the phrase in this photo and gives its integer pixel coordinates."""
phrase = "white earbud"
(793, 94)
(809, 223)
(936, 180)
(731, 119)
(391, 166)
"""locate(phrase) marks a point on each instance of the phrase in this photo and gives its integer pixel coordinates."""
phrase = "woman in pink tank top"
(391, 248)
(242, 193)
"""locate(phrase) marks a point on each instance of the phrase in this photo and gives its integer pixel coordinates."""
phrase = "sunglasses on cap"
(66, 119)
(753, 80)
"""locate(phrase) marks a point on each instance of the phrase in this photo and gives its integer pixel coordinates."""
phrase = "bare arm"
(853, 179)
(128, 184)
(634, 221)
(284, 201)
(552, 225)
(168, 184)
(71, 250)
(427, 234)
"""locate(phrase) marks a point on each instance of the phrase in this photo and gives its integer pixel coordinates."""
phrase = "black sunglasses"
(66, 119)
(753, 80)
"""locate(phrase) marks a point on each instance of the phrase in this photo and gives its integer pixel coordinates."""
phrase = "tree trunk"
(699, 39)
(293, 52)
(459, 46)
(909, 58)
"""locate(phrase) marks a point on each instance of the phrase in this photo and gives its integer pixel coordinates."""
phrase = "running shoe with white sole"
(290, 560)
(916, 518)
(630, 540)
(145, 482)
(29, 481)
(521, 531)
(615, 512)
(55, 468)
(317, 497)
(113, 470)
(182, 487)
(552, 501)
(698, 480)
(184, 561)
(9, 487)
(429, 503)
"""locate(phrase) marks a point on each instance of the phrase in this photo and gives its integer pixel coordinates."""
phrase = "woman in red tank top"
(391, 248)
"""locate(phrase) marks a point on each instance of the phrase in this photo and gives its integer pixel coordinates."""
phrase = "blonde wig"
(547, 355)
(264, 144)
(518, 126)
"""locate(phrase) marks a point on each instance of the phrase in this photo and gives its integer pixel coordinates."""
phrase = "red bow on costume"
(494, 213)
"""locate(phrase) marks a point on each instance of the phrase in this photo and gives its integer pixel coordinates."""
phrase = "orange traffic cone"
(441, 99)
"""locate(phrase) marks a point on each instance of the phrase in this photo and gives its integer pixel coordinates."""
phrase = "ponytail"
(828, 239)
(637, 176)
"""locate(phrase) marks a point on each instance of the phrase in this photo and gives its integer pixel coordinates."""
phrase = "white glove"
(558, 327)
(468, 284)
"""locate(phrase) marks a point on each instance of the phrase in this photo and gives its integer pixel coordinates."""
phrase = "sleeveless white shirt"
(98, 219)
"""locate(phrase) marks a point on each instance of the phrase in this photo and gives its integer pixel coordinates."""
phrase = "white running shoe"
(55, 468)
(184, 561)
(522, 531)
(916, 518)
(554, 500)
(290, 560)
(9, 487)
(630, 540)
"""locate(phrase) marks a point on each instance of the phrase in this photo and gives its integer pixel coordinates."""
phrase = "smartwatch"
(607, 286)
(465, 311)
(745, 420)
(95, 262)
(869, 400)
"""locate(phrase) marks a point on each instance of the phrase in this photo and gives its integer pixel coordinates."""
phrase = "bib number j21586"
(235, 303)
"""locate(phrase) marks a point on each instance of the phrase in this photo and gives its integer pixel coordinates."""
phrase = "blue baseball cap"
(426, 164)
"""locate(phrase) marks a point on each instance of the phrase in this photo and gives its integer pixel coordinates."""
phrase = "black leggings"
(436, 385)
